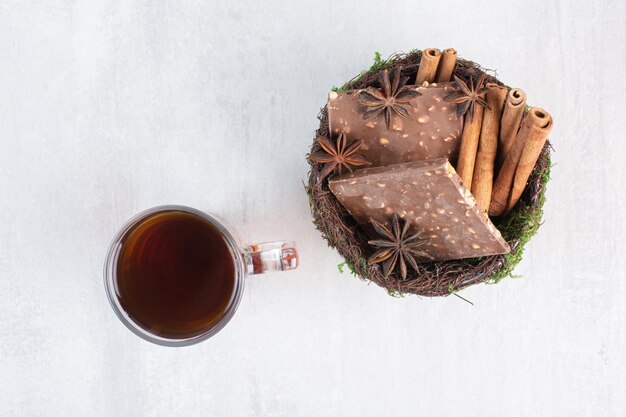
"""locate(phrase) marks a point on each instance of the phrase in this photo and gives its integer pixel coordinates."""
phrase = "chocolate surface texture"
(431, 196)
(434, 130)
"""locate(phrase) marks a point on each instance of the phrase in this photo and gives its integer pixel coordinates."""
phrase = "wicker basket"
(433, 278)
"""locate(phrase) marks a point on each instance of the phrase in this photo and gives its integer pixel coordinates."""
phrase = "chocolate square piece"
(428, 194)
(434, 131)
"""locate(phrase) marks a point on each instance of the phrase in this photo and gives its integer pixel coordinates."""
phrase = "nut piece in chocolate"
(428, 194)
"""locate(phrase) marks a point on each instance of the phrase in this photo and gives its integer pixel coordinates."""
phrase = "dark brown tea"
(175, 274)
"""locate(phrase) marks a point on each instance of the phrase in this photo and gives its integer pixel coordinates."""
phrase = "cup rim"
(110, 265)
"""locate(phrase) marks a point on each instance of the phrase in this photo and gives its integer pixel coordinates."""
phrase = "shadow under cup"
(174, 275)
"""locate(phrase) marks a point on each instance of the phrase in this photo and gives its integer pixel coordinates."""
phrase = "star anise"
(337, 156)
(393, 96)
(397, 245)
(467, 96)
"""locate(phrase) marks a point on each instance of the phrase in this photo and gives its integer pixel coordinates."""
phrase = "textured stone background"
(110, 107)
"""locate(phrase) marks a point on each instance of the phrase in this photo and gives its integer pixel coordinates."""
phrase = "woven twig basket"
(433, 278)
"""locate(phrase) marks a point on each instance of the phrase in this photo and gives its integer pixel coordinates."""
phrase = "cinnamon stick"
(469, 146)
(511, 118)
(537, 136)
(504, 181)
(446, 65)
(428, 66)
(482, 181)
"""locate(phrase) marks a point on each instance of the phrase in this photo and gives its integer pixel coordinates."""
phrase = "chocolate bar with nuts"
(428, 194)
(433, 130)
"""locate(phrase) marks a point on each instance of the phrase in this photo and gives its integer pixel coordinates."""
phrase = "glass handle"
(270, 256)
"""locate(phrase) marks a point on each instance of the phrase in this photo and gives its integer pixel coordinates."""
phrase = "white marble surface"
(110, 107)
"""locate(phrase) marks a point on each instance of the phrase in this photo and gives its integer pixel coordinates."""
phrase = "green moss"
(395, 293)
(349, 266)
(363, 264)
(522, 224)
(378, 64)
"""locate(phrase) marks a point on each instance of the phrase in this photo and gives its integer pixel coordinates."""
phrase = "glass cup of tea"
(175, 275)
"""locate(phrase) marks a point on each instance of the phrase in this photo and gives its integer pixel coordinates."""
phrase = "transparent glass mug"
(248, 259)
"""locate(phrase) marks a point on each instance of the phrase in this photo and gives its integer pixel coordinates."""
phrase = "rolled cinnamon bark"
(537, 136)
(482, 181)
(469, 146)
(428, 66)
(511, 118)
(504, 181)
(446, 65)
